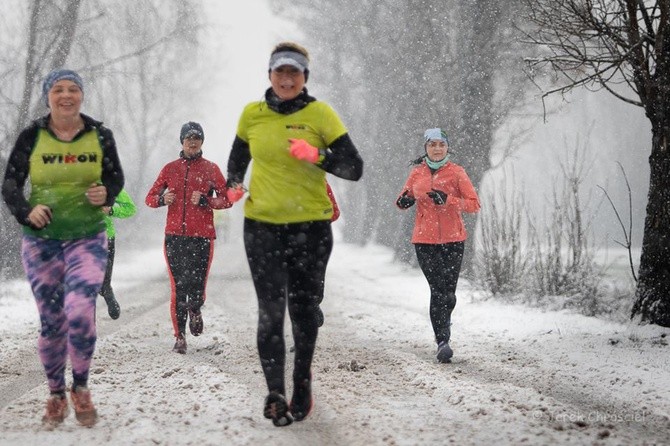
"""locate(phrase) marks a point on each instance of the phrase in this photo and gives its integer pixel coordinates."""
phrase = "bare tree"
(141, 83)
(395, 68)
(114, 44)
(50, 49)
(622, 46)
(50, 31)
(564, 257)
(501, 262)
(627, 232)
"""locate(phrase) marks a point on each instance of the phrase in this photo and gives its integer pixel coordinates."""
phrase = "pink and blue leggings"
(65, 276)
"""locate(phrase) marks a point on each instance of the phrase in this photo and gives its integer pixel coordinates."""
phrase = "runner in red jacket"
(442, 191)
(190, 187)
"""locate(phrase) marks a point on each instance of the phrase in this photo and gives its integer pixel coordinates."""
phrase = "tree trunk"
(65, 27)
(10, 236)
(652, 303)
(475, 134)
(67, 33)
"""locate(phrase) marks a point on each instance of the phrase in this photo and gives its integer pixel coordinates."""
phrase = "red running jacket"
(183, 177)
(437, 224)
(336, 208)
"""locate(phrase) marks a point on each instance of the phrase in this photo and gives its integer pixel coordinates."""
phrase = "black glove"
(405, 201)
(439, 197)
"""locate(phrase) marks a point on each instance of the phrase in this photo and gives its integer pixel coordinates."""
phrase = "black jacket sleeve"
(112, 173)
(16, 173)
(238, 161)
(342, 159)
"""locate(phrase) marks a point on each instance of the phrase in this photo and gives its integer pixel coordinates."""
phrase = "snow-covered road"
(519, 376)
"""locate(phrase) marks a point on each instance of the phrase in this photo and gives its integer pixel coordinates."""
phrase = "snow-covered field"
(519, 375)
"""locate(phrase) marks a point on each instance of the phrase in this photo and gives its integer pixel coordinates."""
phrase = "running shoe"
(444, 352)
(113, 307)
(180, 345)
(84, 410)
(302, 401)
(276, 409)
(56, 411)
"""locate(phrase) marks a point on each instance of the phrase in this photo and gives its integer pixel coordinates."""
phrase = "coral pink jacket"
(436, 224)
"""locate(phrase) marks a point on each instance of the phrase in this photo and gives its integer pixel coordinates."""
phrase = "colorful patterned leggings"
(65, 276)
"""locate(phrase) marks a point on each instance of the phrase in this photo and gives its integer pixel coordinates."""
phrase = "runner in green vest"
(123, 207)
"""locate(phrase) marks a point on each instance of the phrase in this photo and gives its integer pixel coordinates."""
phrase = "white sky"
(240, 40)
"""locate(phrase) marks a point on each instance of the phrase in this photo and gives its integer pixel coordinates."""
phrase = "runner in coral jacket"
(191, 187)
(442, 191)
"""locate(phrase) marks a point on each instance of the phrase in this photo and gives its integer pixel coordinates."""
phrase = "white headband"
(292, 58)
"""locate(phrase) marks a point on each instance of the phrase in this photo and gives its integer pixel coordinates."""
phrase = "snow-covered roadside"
(18, 313)
(520, 375)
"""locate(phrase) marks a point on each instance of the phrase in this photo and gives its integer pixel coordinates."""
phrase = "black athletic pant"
(287, 261)
(441, 264)
(188, 261)
(106, 289)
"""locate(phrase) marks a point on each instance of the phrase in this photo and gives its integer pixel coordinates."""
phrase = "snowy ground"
(519, 376)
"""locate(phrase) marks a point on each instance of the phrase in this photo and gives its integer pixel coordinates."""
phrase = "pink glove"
(233, 194)
(302, 150)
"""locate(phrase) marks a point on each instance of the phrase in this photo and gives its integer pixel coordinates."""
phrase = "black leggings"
(188, 260)
(287, 262)
(441, 264)
(106, 289)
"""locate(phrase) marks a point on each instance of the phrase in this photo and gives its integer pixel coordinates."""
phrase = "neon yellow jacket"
(124, 207)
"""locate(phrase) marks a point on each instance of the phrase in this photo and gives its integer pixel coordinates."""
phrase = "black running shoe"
(276, 409)
(444, 352)
(113, 307)
(195, 323)
(180, 345)
(302, 401)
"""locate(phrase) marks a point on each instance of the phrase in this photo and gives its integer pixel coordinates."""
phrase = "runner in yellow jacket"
(294, 140)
